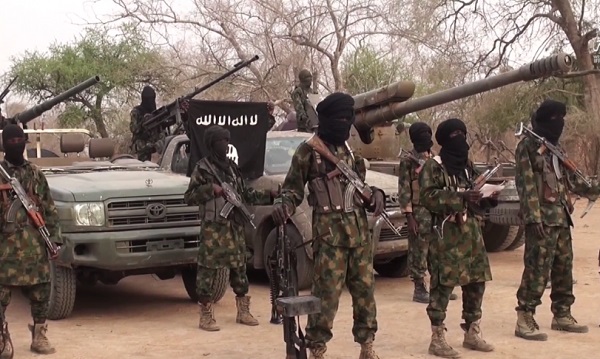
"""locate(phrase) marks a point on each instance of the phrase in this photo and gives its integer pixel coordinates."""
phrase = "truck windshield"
(279, 152)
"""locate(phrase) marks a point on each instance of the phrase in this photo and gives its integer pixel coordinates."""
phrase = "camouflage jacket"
(300, 99)
(347, 229)
(408, 190)
(23, 256)
(543, 197)
(140, 136)
(222, 243)
(457, 253)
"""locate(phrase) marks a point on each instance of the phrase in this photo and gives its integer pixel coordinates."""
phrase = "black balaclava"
(549, 120)
(336, 116)
(148, 99)
(420, 135)
(14, 141)
(305, 78)
(217, 149)
(455, 150)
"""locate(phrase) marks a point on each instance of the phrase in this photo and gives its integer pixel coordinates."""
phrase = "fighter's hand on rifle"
(279, 214)
(495, 195)
(472, 196)
(184, 105)
(377, 203)
(217, 190)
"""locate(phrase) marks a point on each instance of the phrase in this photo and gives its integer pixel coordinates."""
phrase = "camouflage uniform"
(459, 258)
(144, 143)
(300, 99)
(545, 199)
(222, 242)
(23, 256)
(344, 257)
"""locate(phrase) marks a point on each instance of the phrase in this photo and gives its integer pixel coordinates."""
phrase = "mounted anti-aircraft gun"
(170, 114)
(7, 89)
(32, 113)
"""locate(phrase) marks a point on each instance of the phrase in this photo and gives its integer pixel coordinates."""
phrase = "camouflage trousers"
(439, 296)
(334, 267)
(38, 295)
(418, 248)
(551, 256)
(205, 279)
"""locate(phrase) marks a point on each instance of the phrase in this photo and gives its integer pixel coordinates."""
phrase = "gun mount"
(28, 115)
(380, 107)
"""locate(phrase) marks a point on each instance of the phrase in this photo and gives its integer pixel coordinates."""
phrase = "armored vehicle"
(375, 138)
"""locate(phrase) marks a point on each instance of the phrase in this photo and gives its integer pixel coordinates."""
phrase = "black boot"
(420, 294)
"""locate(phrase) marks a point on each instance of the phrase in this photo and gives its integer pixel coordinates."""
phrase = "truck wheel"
(304, 265)
(62, 292)
(396, 268)
(519, 240)
(220, 284)
(506, 214)
(498, 237)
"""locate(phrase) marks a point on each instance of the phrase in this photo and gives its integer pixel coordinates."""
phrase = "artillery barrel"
(37, 110)
(372, 117)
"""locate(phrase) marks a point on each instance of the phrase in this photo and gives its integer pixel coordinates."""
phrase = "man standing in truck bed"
(418, 217)
(301, 102)
(222, 243)
(24, 261)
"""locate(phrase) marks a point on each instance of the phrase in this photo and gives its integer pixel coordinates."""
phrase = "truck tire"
(396, 268)
(498, 237)
(188, 276)
(62, 291)
(519, 240)
(506, 214)
(304, 265)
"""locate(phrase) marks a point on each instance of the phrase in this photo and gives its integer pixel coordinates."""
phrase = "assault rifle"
(285, 301)
(477, 185)
(7, 89)
(32, 210)
(545, 145)
(365, 192)
(419, 161)
(232, 198)
(169, 114)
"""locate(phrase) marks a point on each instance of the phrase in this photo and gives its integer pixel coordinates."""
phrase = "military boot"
(568, 324)
(6, 347)
(420, 294)
(317, 352)
(473, 339)
(243, 311)
(39, 342)
(366, 350)
(207, 318)
(527, 328)
(438, 346)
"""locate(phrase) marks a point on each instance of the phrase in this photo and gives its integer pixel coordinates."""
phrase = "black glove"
(537, 229)
(279, 214)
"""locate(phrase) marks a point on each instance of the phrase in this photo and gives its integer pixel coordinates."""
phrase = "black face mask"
(335, 132)
(13, 153)
(455, 155)
(550, 129)
(220, 149)
(423, 144)
(148, 99)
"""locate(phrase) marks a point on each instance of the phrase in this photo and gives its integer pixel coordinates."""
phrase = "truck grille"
(154, 245)
(154, 212)
(391, 200)
(387, 234)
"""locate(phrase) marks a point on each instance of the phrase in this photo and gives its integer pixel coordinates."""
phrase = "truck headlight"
(89, 214)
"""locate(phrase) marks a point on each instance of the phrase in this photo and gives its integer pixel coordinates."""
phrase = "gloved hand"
(413, 226)
(472, 196)
(217, 190)
(279, 214)
(378, 203)
(537, 229)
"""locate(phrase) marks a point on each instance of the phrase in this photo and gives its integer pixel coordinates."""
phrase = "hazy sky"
(35, 24)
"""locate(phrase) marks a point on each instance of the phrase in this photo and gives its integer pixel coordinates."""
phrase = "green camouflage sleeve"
(527, 186)
(432, 193)
(299, 104)
(135, 121)
(577, 186)
(405, 185)
(49, 211)
(200, 189)
(253, 196)
(292, 190)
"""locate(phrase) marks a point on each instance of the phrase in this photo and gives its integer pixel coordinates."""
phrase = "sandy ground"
(144, 317)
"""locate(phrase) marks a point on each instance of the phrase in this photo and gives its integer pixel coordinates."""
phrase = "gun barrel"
(28, 115)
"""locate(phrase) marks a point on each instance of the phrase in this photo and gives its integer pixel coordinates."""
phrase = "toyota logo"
(156, 211)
